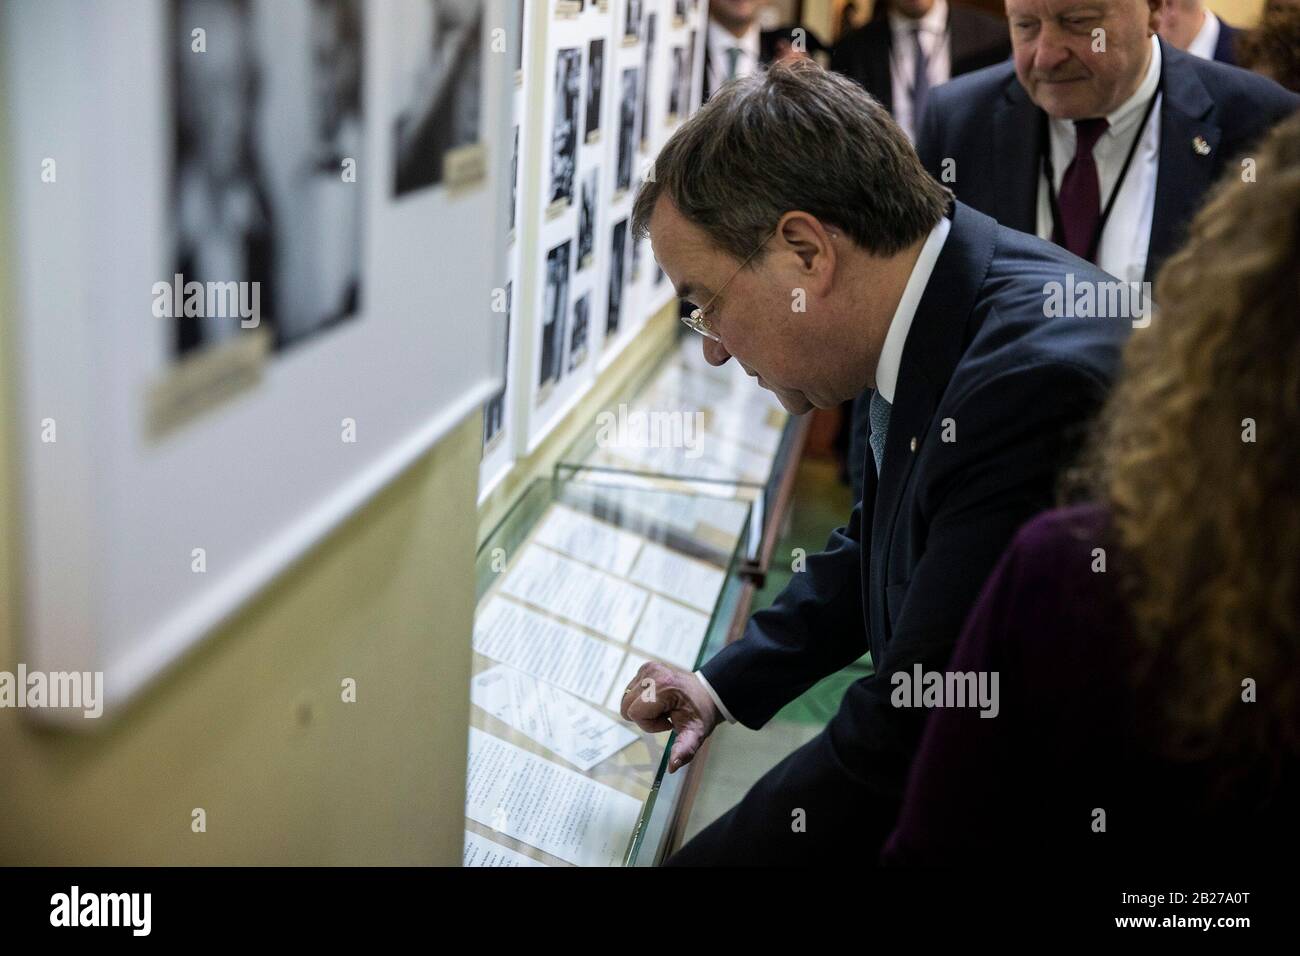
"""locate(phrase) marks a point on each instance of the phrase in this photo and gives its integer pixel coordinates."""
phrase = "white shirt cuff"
(722, 708)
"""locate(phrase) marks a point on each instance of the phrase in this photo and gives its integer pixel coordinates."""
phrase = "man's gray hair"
(794, 137)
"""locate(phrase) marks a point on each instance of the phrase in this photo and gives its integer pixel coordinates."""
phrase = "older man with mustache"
(1098, 134)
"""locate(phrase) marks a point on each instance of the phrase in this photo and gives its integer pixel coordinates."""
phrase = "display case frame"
(638, 770)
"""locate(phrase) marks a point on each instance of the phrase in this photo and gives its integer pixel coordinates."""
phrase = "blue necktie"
(878, 414)
(920, 79)
(733, 54)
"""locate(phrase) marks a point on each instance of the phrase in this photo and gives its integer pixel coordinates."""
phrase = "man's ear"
(805, 235)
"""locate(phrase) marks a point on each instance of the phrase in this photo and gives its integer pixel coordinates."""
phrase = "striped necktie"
(878, 414)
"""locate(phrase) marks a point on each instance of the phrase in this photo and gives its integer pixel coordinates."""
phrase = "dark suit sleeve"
(814, 628)
(964, 762)
(928, 139)
(844, 57)
(1013, 433)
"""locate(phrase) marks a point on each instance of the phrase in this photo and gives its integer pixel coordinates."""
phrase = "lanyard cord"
(1050, 173)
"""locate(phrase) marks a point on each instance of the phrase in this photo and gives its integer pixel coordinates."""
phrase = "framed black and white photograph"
(677, 84)
(519, 39)
(646, 72)
(554, 312)
(595, 87)
(438, 77)
(587, 219)
(564, 125)
(689, 97)
(627, 127)
(632, 20)
(578, 333)
(249, 143)
(617, 278)
(274, 219)
(514, 180)
(494, 409)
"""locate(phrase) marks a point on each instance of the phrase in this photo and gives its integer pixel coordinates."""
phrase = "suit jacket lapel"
(1184, 173)
(1018, 147)
(935, 344)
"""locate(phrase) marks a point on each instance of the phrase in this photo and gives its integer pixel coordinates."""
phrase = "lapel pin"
(1201, 146)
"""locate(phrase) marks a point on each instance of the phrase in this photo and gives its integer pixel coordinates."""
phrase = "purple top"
(1068, 741)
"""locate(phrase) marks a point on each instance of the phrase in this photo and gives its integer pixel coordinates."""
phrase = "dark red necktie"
(1079, 200)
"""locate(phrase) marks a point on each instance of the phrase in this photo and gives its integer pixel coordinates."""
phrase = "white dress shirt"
(720, 41)
(1127, 234)
(891, 353)
(1206, 39)
(902, 59)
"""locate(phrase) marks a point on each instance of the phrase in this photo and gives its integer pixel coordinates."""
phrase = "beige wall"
(1240, 13)
(251, 727)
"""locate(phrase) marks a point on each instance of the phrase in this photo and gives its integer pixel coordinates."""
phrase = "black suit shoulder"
(977, 40)
(958, 113)
(863, 55)
(1225, 51)
(979, 86)
(1020, 330)
(1244, 101)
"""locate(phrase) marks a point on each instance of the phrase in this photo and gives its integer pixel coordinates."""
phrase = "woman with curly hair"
(1147, 640)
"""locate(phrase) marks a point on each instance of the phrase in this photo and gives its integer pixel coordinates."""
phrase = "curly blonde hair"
(1195, 454)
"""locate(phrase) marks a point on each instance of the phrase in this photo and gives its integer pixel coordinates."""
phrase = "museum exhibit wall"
(248, 730)
(250, 727)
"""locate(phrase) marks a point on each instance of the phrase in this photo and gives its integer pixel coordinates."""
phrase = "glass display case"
(707, 431)
(577, 586)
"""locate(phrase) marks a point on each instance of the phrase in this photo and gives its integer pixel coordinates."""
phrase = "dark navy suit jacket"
(1225, 50)
(986, 122)
(1013, 389)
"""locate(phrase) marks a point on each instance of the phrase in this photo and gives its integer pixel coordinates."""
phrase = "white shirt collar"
(721, 39)
(1206, 39)
(891, 353)
(936, 21)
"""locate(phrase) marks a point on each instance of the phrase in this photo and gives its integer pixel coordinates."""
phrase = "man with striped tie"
(911, 46)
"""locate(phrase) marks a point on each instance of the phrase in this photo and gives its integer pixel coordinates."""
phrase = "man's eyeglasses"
(698, 319)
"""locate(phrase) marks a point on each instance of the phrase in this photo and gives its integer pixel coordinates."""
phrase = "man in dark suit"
(1163, 124)
(882, 55)
(1187, 25)
(990, 135)
(793, 212)
(908, 48)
